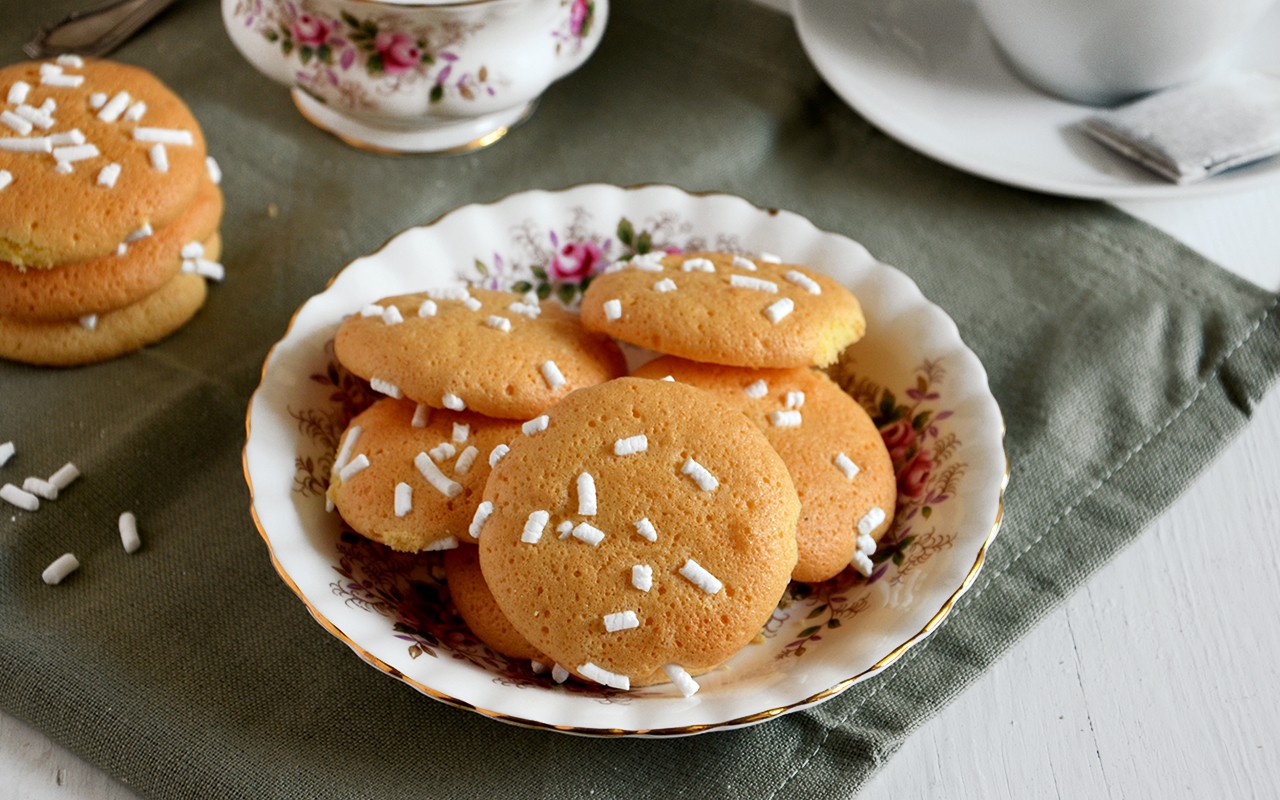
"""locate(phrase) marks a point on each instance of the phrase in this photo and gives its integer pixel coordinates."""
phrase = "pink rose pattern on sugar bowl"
(391, 63)
(559, 262)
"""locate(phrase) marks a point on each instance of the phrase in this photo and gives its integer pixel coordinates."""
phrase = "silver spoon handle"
(97, 31)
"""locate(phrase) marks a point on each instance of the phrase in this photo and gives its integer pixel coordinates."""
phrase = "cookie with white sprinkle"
(675, 551)
(477, 349)
(475, 603)
(839, 463)
(723, 308)
(410, 476)
(70, 291)
(79, 147)
(108, 335)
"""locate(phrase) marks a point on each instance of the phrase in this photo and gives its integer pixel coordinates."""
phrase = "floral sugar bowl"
(414, 76)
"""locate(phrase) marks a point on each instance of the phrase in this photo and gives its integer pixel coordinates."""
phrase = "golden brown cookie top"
(647, 507)
(410, 477)
(832, 449)
(487, 351)
(89, 117)
(723, 308)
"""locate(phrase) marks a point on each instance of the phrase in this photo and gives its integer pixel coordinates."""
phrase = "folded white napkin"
(1193, 131)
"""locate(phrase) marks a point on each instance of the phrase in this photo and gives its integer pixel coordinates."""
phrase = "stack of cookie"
(109, 211)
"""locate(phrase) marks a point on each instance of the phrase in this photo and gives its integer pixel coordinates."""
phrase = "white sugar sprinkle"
(757, 390)
(122, 248)
(65, 81)
(427, 309)
(385, 387)
(452, 402)
(18, 92)
(208, 269)
(862, 564)
(498, 323)
(586, 532)
(536, 666)
(645, 528)
(108, 175)
(497, 454)
(631, 445)
(403, 499)
(114, 107)
(669, 379)
(865, 544)
(40, 488)
(604, 676)
(70, 60)
(36, 116)
(699, 474)
(215, 171)
(871, 520)
(472, 303)
(612, 309)
(803, 281)
(420, 416)
(64, 168)
(559, 674)
(748, 282)
(392, 316)
(648, 262)
(535, 425)
(770, 258)
(129, 539)
(552, 375)
(6, 178)
(534, 526)
(140, 233)
(6, 452)
(683, 681)
(447, 543)
(437, 479)
(39, 144)
(621, 621)
(196, 250)
(586, 495)
(354, 468)
(642, 577)
(61, 567)
(17, 123)
(696, 574)
(697, 265)
(371, 310)
(795, 399)
(442, 452)
(461, 432)
(89, 322)
(160, 158)
(846, 465)
(448, 293)
(564, 529)
(163, 136)
(465, 460)
(97, 100)
(481, 517)
(135, 112)
(65, 476)
(744, 263)
(530, 310)
(47, 69)
(73, 136)
(348, 444)
(665, 285)
(18, 497)
(785, 419)
(778, 310)
(75, 152)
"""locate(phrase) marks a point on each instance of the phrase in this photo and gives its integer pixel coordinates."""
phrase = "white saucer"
(926, 73)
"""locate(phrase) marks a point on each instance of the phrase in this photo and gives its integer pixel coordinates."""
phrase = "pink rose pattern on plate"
(409, 589)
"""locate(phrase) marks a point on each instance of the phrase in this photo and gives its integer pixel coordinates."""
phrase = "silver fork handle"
(97, 31)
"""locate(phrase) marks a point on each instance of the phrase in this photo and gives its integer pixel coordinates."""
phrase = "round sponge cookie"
(71, 291)
(447, 345)
(67, 344)
(811, 423)
(453, 448)
(717, 307)
(476, 605)
(48, 217)
(705, 499)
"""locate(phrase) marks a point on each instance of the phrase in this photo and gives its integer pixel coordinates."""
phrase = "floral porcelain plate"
(926, 390)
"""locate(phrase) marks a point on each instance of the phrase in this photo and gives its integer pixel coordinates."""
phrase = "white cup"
(1103, 52)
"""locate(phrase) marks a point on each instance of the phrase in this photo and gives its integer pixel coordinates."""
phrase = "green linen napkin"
(1122, 360)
